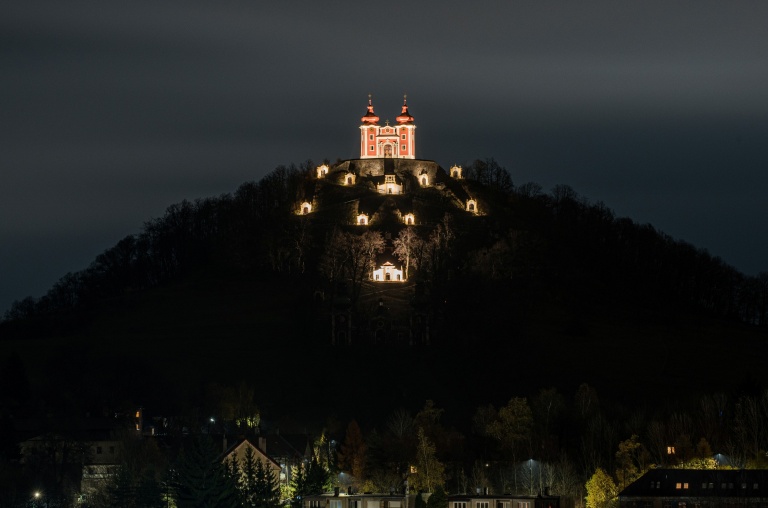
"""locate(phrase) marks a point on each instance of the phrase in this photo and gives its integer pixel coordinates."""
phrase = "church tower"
(387, 141)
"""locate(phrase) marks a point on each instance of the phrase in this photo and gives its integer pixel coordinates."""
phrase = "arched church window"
(471, 207)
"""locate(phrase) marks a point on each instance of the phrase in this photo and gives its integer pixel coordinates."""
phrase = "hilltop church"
(386, 189)
(387, 141)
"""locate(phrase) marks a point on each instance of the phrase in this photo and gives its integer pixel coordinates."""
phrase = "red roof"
(404, 117)
(370, 117)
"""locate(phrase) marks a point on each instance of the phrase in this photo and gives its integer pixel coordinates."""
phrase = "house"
(82, 454)
(502, 501)
(239, 449)
(288, 450)
(695, 488)
(349, 500)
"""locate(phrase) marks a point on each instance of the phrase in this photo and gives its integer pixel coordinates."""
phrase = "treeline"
(549, 443)
(240, 231)
(558, 241)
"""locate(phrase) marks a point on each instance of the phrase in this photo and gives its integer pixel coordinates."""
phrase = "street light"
(37, 497)
(530, 477)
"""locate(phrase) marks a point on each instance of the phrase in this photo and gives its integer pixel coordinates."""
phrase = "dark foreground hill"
(537, 290)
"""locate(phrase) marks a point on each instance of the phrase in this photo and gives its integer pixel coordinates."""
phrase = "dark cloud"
(114, 110)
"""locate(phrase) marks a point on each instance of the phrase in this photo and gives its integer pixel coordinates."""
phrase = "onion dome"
(405, 117)
(370, 117)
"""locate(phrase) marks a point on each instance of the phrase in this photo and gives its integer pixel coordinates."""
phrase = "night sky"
(113, 110)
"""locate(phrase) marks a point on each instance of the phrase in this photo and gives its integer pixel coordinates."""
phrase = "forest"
(557, 240)
(210, 313)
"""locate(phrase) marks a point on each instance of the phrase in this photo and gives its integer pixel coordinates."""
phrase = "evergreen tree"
(419, 501)
(267, 494)
(298, 485)
(203, 480)
(601, 490)
(438, 499)
(149, 492)
(247, 478)
(121, 492)
(318, 479)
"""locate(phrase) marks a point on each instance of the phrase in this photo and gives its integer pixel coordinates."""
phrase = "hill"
(524, 291)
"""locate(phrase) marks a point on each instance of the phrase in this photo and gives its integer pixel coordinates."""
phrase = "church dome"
(404, 117)
(370, 117)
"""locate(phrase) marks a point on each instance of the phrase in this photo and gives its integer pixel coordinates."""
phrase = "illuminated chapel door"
(387, 150)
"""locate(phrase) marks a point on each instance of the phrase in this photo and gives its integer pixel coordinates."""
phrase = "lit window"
(670, 450)
(685, 485)
(678, 485)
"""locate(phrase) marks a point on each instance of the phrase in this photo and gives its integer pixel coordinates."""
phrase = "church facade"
(387, 141)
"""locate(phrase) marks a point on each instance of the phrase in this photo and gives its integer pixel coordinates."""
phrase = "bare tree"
(407, 247)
